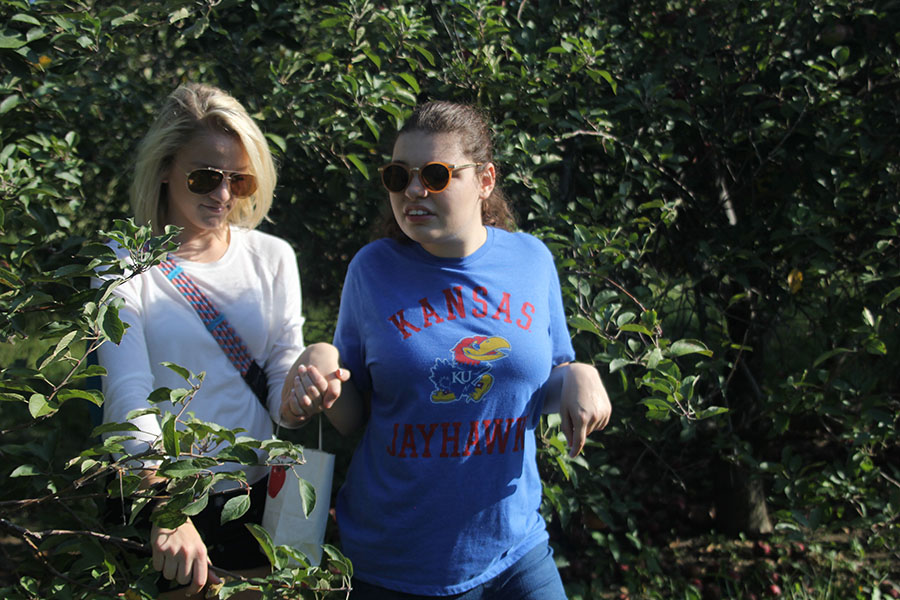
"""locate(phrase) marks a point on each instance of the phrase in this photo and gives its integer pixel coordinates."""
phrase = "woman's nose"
(223, 192)
(415, 189)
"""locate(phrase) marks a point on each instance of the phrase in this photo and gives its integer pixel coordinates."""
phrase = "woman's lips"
(214, 208)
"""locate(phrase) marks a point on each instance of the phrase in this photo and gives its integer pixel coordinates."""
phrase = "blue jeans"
(532, 577)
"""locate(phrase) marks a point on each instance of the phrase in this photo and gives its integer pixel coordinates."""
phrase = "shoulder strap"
(219, 327)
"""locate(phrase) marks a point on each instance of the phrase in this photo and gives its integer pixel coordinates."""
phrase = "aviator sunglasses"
(207, 179)
(435, 176)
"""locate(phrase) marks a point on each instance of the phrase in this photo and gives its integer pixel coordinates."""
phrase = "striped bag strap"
(218, 326)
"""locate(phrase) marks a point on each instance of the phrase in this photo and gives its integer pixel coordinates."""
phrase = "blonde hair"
(190, 109)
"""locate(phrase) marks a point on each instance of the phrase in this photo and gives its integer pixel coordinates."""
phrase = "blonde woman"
(205, 166)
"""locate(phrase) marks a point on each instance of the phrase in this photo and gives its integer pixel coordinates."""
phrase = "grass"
(710, 567)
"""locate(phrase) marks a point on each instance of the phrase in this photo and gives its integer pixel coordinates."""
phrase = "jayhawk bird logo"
(467, 376)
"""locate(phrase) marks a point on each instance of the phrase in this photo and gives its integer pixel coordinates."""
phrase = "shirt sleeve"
(348, 337)
(129, 378)
(286, 328)
(561, 340)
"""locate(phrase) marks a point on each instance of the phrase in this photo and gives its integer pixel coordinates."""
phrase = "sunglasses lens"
(395, 178)
(435, 177)
(242, 185)
(203, 181)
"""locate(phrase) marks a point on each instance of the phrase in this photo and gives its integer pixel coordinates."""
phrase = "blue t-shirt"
(443, 492)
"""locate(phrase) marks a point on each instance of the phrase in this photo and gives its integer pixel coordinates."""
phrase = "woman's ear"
(487, 180)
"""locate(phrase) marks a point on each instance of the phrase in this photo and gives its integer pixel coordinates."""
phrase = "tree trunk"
(740, 501)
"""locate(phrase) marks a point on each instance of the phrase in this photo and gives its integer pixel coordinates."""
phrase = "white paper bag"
(283, 517)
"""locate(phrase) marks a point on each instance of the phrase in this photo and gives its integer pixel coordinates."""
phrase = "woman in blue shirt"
(453, 330)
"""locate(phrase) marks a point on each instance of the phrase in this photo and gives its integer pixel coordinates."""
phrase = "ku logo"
(467, 376)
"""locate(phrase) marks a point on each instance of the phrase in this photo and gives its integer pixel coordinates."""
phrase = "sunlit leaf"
(184, 373)
(38, 406)
(683, 347)
(265, 541)
(307, 496)
(235, 508)
(359, 164)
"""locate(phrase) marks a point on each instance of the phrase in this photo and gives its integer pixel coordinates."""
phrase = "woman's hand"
(584, 405)
(312, 392)
(180, 555)
(314, 384)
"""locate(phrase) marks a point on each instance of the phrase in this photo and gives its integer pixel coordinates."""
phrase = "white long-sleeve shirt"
(256, 285)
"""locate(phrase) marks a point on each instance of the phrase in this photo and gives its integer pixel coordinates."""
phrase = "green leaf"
(170, 435)
(876, 346)
(179, 15)
(93, 396)
(636, 327)
(841, 54)
(338, 559)
(711, 411)
(411, 82)
(132, 17)
(359, 165)
(609, 79)
(868, 317)
(618, 363)
(169, 519)
(891, 296)
(750, 89)
(25, 471)
(70, 177)
(88, 463)
(307, 496)
(373, 57)
(654, 358)
(9, 103)
(180, 469)
(265, 541)
(373, 127)
(583, 324)
(111, 325)
(179, 395)
(38, 406)
(239, 453)
(682, 347)
(278, 141)
(195, 507)
(235, 508)
(425, 53)
(625, 318)
(161, 394)
(111, 427)
(61, 346)
(826, 355)
(24, 18)
(657, 408)
(11, 42)
(184, 373)
(137, 506)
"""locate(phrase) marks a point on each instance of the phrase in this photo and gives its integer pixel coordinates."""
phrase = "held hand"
(584, 405)
(180, 554)
(312, 392)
